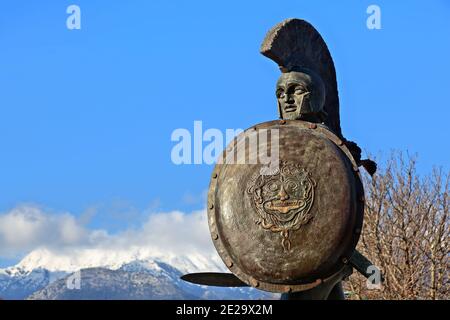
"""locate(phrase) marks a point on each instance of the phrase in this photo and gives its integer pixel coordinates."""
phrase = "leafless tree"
(406, 232)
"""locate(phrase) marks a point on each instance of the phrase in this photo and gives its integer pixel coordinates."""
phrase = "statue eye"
(280, 94)
(299, 90)
(291, 185)
(273, 186)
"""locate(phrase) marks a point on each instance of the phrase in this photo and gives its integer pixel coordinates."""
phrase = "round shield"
(285, 205)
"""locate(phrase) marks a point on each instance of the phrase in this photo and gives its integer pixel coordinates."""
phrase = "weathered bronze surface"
(292, 228)
(289, 230)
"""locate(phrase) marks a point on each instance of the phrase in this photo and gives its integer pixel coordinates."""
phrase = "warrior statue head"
(301, 96)
(306, 89)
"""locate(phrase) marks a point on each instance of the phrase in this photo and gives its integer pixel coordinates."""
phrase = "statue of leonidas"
(289, 222)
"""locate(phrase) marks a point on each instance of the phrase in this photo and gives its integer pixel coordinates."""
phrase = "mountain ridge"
(44, 274)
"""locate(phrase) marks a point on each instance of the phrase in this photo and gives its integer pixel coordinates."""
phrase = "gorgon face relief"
(282, 200)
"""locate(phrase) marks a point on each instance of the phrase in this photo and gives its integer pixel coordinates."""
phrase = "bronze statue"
(293, 229)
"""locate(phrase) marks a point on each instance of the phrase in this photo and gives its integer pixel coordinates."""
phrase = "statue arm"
(355, 150)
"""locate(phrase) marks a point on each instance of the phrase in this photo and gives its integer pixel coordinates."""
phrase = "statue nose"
(287, 97)
(283, 195)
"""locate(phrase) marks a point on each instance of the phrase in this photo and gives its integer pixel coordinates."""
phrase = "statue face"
(300, 96)
(283, 200)
(284, 197)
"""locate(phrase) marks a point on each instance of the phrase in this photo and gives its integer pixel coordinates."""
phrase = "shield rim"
(357, 226)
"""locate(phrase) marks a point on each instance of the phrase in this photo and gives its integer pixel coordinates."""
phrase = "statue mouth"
(290, 108)
(284, 206)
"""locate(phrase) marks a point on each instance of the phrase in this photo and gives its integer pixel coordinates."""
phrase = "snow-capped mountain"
(137, 281)
(134, 274)
(114, 259)
(16, 283)
(106, 284)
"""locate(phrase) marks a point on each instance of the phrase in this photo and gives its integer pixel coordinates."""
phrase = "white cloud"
(61, 241)
(28, 227)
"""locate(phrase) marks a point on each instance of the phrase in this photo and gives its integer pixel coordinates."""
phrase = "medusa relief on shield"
(282, 200)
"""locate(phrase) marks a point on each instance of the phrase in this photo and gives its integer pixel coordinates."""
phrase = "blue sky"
(86, 115)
